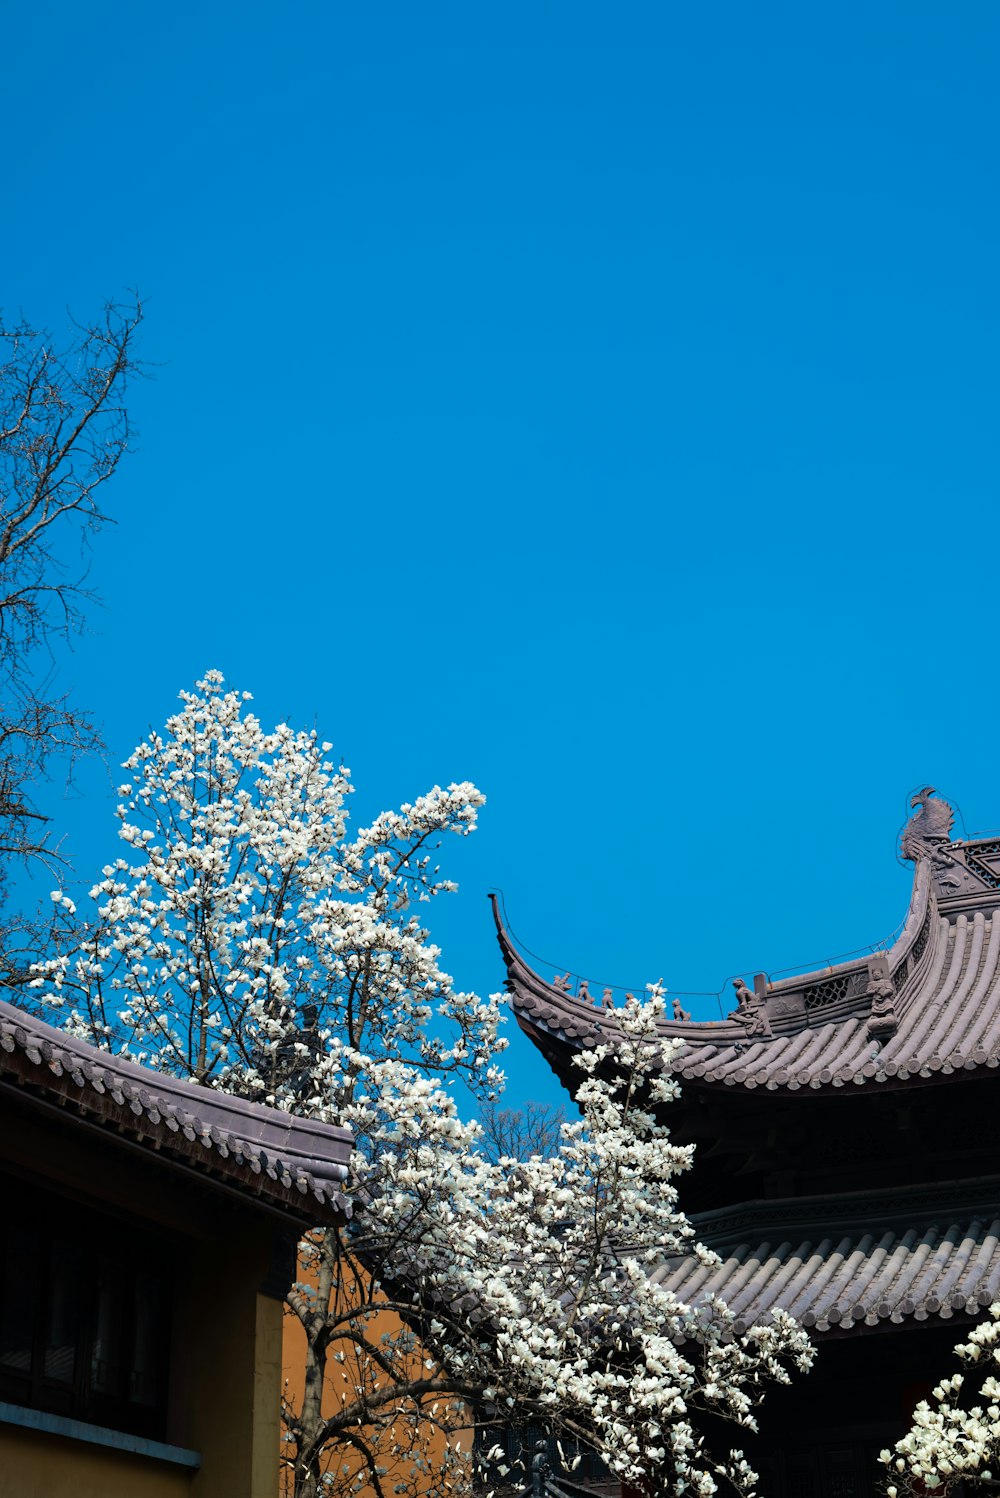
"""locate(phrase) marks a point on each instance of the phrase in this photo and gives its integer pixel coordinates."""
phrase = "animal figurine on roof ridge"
(930, 827)
(927, 835)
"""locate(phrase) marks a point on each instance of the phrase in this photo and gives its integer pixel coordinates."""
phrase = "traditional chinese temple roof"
(876, 1214)
(927, 1007)
(293, 1164)
(867, 1260)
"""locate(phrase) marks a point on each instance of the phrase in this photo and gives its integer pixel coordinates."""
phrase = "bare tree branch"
(519, 1133)
(64, 428)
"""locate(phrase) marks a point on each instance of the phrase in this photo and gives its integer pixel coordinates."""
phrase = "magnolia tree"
(956, 1439)
(249, 943)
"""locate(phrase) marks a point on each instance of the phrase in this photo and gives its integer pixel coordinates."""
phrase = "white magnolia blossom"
(956, 1439)
(250, 944)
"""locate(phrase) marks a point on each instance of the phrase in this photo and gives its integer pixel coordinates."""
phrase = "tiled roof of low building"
(851, 1273)
(296, 1164)
(927, 1006)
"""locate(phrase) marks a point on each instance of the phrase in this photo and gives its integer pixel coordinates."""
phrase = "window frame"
(101, 1247)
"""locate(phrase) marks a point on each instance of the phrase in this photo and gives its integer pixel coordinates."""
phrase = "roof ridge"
(926, 1007)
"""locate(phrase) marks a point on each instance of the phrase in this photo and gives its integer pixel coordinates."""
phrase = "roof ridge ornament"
(928, 833)
(931, 827)
(882, 1019)
(751, 1009)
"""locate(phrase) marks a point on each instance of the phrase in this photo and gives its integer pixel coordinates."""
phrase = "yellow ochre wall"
(227, 1409)
(338, 1385)
(226, 1378)
(225, 1353)
(33, 1465)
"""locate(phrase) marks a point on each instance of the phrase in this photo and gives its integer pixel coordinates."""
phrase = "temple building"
(847, 1124)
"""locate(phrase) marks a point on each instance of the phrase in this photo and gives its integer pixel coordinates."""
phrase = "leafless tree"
(64, 428)
(519, 1133)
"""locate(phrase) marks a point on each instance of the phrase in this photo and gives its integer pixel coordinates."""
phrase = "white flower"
(249, 943)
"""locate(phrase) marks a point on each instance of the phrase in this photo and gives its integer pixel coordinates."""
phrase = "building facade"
(147, 1239)
(847, 1169)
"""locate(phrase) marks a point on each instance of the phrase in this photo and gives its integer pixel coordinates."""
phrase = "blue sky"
(597, 402)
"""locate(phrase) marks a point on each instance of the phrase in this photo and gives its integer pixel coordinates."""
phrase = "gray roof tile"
(939, 982)
(298, 1157)
(871, 1277)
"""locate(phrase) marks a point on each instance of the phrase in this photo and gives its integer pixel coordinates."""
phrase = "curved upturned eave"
(531, 991)
(948, 1020)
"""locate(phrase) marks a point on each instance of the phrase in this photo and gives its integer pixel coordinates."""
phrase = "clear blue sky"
(595, 401)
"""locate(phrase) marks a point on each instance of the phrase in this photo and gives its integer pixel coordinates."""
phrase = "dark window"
(825, 1471)
(84, 1314)
(520, 1444)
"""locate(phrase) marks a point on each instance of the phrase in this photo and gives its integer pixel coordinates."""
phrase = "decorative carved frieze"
(831, 991)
